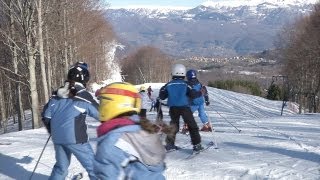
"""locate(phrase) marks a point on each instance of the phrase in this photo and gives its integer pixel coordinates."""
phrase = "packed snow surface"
(268, 146)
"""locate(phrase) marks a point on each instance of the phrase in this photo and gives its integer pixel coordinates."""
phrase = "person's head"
(178, 71)
(79, 72)
(142, 89)
(191, 74)
(118, 99)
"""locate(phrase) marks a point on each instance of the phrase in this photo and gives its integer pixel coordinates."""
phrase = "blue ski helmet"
(191, 74)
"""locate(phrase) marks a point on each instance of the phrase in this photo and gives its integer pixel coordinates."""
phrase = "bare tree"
(44, 38)
(2, 106)
(147, 64)
(301, 58)
(41, 51)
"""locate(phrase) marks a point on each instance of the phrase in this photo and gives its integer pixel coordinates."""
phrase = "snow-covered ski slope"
(269, 146)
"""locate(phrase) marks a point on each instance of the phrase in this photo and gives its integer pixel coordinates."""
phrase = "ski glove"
(207, 103)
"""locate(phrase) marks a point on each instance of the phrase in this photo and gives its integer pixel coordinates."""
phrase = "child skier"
(149, 91)
(153, 105)
(129, 147)
(158, 105)
(64, 117)
(197, 104)
(178, 93)
(144, 101)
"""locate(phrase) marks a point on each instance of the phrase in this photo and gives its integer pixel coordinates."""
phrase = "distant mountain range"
(210, 29)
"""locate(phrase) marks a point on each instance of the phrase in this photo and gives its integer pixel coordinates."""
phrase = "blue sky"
(169, 3)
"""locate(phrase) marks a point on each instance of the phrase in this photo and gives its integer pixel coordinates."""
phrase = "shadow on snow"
(310, 156)
(10, 167)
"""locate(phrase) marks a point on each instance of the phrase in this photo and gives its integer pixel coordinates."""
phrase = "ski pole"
(214, 142)
(40, 157)
(228, 121)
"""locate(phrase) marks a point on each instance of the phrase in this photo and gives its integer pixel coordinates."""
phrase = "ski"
(172, 150)
(207, 146)
(190, 152)
(187, 132)
(179, 148)
(77, 176)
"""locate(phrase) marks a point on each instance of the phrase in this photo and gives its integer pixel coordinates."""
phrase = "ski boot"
(197, 148)
(171, 147)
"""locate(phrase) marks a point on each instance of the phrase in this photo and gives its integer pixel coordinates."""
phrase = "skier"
(144, 104)
(129, 147)
(153, 103)
(178, 92)
(64, 117)
(158, 105)
(197, 104)
(149, 91)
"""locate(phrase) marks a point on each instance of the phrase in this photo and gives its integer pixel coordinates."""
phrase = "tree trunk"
(2, 106)
(41, 52)
(33, 84)
(66, 63)
(10, 104)
(19, 107)
(18, 98)
(48, 61)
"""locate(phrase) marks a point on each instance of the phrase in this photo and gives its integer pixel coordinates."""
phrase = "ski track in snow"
(269, 146)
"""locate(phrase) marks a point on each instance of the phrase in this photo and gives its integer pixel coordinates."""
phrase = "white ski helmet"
(178, 70)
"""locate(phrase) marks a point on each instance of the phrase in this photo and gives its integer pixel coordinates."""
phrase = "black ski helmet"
(79, 73)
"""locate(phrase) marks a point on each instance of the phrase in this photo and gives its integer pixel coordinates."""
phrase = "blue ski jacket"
(197, 86)
(65, 118)
(178, 93)
(125, 151)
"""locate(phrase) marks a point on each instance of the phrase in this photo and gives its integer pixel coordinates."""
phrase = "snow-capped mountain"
(212, 28)
(237, 3)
